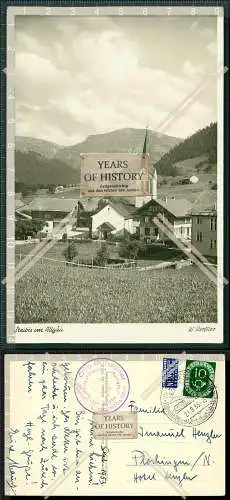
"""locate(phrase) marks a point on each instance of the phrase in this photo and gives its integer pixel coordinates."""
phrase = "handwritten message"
(54, 446)
(48, 446)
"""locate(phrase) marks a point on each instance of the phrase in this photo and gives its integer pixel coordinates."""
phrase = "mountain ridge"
(43, 162)
(129, 140)
(26, 144)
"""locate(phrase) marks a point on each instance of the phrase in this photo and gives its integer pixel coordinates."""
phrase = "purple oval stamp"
(101, 385)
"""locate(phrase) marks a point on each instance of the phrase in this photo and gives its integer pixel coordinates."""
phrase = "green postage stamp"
(199, 379)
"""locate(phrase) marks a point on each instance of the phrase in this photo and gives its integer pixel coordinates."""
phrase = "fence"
(161, 265)
(124, 265)
(128, 264)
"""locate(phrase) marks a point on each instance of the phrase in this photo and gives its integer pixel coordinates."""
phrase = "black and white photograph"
(116, 86)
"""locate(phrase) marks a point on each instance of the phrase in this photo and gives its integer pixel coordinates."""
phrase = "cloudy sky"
(82, 76)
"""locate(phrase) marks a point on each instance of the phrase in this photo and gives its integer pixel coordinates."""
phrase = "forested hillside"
(202, 143)
(32, 168)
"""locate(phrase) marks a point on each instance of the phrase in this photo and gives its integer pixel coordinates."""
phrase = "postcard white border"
(122, 333)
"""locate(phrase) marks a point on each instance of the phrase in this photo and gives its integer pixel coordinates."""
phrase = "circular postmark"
(101, 385)
(188, 405)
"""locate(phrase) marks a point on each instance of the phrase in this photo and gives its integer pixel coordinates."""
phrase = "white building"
(114, 218)
(173, 212)
(52, 211)
(194, 179)
(59, 189)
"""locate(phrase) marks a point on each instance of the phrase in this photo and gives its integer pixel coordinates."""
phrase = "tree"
(70, 251)
(51, 188)
(25, 228)
(34, 188)
(26, 190)
(102, 255)
(208, 167)
(19, 187)
(102, 203)
(213, 156)
(37, 225)
(203, 142)
(129, 249)
(83, 219)
(21, 228)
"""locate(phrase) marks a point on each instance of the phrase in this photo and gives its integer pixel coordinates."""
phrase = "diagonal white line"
(195, 256)
(41, 245)
(189, 99)
(28, 262)
(39, 250)
(212, 277)
(170, 234)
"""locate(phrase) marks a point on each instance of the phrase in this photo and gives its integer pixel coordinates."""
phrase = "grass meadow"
(51, 292)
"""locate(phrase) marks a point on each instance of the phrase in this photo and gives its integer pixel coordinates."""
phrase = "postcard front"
(118, 424)
(101, 248)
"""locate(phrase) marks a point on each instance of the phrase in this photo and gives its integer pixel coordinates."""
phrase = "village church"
(118, 218)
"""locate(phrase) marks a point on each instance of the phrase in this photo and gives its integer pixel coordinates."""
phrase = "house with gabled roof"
(52, 211)
(50, 208)
(173, 211)
(114, 218)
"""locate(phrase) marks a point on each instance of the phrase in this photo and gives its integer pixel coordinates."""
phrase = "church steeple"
(144, 152)
(141, 200)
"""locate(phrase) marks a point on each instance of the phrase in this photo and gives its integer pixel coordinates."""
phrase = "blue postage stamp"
(170, 373)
